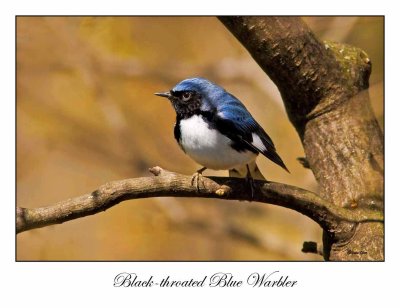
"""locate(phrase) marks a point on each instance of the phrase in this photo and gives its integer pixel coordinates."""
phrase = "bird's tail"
(241, 172)
(272, 155)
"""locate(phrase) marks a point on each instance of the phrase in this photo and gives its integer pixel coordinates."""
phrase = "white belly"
(208, 147)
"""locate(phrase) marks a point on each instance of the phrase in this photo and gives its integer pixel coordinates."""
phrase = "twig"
(313, 247)
(304, 162)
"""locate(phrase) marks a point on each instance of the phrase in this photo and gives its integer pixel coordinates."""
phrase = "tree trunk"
(325, 91)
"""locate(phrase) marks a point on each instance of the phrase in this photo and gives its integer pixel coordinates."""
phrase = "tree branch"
(170, 184)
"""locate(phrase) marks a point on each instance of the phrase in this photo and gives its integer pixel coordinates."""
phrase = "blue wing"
(236, 122)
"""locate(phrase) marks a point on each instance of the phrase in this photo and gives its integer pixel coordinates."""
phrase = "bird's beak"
(163, 94)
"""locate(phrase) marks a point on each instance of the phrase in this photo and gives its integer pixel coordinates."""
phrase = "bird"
(216, 130)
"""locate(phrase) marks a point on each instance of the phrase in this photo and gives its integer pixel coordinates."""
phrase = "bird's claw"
(250, 182)
(197, 178)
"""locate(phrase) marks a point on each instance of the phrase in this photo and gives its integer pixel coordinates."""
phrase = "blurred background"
(86, 115)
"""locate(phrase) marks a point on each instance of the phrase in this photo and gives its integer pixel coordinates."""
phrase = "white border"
(78, 284)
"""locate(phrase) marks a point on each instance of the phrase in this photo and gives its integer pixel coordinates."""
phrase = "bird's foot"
(250, 183)
(197, 178)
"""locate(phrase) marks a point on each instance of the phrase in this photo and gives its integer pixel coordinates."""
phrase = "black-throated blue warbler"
(217, 131)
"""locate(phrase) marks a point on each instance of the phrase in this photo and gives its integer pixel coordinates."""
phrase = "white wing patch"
(258, 143)
(221, 115)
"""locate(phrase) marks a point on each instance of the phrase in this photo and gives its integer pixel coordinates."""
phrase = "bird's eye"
(186, 96)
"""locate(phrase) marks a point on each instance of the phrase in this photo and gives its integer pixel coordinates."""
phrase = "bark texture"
(325, 90)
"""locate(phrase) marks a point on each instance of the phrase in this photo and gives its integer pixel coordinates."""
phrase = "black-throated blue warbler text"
(216, 280)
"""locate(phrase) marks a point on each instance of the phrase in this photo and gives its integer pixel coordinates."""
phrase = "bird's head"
(191, 95)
